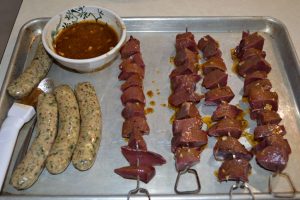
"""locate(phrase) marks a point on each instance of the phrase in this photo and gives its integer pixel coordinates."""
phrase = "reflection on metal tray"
(157, 36)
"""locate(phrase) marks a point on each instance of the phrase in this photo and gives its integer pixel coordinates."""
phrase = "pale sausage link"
(90, 129)
(32, 75)
(28, 171)
(68, 130)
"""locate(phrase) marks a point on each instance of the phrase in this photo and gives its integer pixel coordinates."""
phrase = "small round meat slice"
(230, 147)
(234, 170)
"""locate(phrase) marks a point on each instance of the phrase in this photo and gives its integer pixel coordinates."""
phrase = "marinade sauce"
(85, 40)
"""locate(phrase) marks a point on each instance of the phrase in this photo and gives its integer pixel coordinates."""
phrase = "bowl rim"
(88, 60)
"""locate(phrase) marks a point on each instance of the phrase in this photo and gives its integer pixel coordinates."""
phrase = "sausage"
(68, 130)
(28, 171)
(32, 75)
(90, 129)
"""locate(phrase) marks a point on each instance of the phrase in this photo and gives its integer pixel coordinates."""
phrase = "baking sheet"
(157, 36)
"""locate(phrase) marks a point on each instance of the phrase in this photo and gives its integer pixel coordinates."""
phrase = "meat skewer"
(141, 160)
(272, 151)
(227, 128)
(188, 139)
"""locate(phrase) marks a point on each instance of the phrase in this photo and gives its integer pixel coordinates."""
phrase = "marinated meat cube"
(263, 131)
(226, 127)
(129, 69)
(135, 124)
(187, 82)
(136, 141)
(192, 138)
(213, 64)
(186, 125)
(181, 96)
(272, 158)
(261, 99)
(132, 46)
(186, 157)
(209, 47)
(183, 70)
(133, 95)
(253, 64)
(225, 110)
(186, 40)
(249, 41)
(133, 110)
(185, 55)
(234, 170)
(187, 110)
(268, 117)
(265, 84)
(133, 80)
(145, 173)
(229, 148)
(215, 78)
(272, 140)
(218, 95)
(146, 158)
(254, 76)
(135, 58)
(248, 53)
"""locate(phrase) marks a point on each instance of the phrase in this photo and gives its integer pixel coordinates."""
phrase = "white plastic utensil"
(17, 116)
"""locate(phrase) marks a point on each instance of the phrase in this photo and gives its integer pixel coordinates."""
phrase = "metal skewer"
(243, 186)
(191, 171)
(273, 177)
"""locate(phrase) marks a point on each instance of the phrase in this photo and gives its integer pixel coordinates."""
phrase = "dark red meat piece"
(187, 82)
(248, 53)
(136, 141)
(133, 95)
(181, 96)
(226, 127)
(186, 40)
(273, 140)
(192, 138)
(135, 58)
(135, 124)
(186, 125)
(261, 99)
(133, 80)
(183, 70)
(129, 69)
(215, 78)
(209, 47)
(218, 95)
(133, 110)
(185, 55)
(253, 64)
(254, 76)
(263, 131)
(268, 117)
(229, 148)
(147, 158)
(187, 110)
(132, 46)
(145, 173)
(213, 64)
(265, 84)
(225, 110)
(249, 41)
(272, 158)
(234, 170)
(186, 157)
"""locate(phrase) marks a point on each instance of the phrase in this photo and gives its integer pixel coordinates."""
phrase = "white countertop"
(287, 11)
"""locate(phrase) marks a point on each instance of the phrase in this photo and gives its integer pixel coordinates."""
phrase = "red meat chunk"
(186, 82)
(218, 95)
(132, 46)
(186, 157)
(186, 40)
(253, 64)
(209, 47)
(181, 96)
(185, 55)
(226, 127)
(186, 125)
(215, 79)
(225, 110)
(133, 81)
(263, 131)
(234, 170)
(135, 124)
(264, 84)
(145, 173)
(213, 64)
(187, 110)
(133, 95)
(254, 76)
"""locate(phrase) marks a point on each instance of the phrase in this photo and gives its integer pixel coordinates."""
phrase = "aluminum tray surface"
(157, 36)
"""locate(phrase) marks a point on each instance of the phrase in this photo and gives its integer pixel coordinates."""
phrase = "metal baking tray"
(157, 36)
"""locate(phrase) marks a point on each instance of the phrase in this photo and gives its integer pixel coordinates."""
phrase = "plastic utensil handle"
(18, 115)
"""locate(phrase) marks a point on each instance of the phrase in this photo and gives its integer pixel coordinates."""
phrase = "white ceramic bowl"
(75, 15)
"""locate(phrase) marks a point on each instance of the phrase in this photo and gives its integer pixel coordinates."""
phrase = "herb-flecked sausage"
(91, 127)
(28, 171)
(33, 74)
(68, 130)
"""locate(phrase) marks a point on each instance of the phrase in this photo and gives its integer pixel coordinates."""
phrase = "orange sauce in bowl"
(87, 39)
